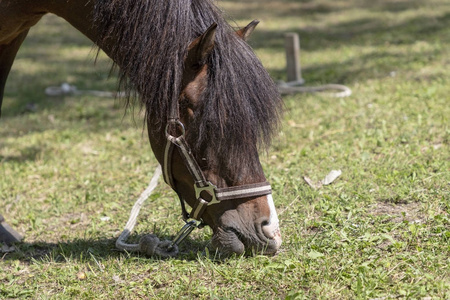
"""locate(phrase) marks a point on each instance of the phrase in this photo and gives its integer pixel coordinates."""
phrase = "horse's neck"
(79, 13)
(17, 16)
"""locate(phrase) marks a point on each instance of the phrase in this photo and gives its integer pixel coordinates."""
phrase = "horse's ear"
(204, 45)
(245, 32)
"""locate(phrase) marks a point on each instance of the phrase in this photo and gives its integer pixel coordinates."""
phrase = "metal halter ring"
(178, 125)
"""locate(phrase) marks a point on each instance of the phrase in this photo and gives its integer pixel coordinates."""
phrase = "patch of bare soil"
(398, 212)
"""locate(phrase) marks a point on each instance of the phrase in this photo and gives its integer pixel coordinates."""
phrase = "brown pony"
(209, 102)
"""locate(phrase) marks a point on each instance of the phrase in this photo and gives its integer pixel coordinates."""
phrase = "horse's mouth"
(229, 240)
(226, 240)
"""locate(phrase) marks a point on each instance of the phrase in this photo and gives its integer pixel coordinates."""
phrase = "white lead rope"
(149, 244)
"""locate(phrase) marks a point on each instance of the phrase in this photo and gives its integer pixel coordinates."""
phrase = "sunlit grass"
(380, 231)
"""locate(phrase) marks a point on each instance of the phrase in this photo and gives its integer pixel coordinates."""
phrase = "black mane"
(241, 104)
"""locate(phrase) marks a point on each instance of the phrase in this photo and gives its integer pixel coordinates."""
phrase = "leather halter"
(206, 193)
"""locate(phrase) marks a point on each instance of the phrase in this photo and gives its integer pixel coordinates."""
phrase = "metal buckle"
(184, 232)
(210, 189)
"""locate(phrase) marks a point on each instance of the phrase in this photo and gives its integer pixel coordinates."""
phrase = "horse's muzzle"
(266, 239)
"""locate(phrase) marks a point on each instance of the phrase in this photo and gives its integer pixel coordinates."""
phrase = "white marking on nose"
(272, 230)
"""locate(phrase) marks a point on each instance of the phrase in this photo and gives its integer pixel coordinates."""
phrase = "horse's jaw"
(227, 242)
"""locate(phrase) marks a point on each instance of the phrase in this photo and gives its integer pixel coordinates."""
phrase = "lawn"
(71, 167)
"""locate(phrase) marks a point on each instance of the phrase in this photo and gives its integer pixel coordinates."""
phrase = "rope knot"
(150, 245)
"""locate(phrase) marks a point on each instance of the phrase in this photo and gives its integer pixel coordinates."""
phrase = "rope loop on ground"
(285, 88)
(66, 89)
(293, 87)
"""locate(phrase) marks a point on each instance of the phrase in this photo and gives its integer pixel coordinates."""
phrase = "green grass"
(380, 231)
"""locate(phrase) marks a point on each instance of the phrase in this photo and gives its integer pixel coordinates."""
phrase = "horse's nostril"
(270, 229)
(265, 223)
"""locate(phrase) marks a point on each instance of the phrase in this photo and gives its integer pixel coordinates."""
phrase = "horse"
(210, 106)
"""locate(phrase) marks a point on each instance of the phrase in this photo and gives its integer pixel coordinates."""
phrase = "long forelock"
(241, 105)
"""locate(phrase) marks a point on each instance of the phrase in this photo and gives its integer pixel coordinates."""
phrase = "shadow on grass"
(88, 250)
(304, 8)
(26, 154)
(54, 53)
(378, 62)
(365, 31)
(360, 32)
(67, 113)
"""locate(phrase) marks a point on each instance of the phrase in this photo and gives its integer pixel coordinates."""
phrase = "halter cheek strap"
(206, 193)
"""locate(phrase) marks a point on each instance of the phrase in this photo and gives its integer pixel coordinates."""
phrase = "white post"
(293, 68)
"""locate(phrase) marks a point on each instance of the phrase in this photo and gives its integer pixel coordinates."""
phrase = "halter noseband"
(206, 193)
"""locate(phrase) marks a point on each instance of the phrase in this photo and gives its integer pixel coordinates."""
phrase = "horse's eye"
(196, 66)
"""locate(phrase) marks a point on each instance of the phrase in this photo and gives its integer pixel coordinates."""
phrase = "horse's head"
(245, 219)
